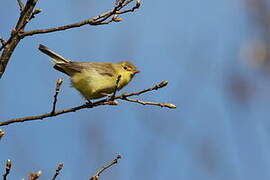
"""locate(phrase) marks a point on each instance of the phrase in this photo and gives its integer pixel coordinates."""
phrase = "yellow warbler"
(93, 80)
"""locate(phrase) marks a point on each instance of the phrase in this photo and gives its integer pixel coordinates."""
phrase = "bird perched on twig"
(93, 80)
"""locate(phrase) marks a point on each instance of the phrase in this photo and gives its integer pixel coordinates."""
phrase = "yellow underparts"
(92, 85)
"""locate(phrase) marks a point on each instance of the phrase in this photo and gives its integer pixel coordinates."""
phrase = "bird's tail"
(55, 57)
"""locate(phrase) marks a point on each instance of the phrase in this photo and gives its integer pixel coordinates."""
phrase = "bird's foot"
(89, 103)
(110, 97)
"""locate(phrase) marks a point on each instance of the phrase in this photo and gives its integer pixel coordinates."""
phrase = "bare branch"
(103, 168)
(116, 87)
(90, 105)
(168, 105)
(57, 90)
(97, 20)
(8, 168)
(21, 5)
(57, 171)
(14, 39)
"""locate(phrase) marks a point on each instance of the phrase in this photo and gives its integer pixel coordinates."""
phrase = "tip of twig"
(36, 11)
(59, 83)
(60, 166)
(2, 133)
(34, 176)
(163, 84)
(138, 3)
(116, 18)
(8, 165)
(172, 106)
(118, 156)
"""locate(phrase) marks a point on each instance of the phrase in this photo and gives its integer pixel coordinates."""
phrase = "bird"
(93, 80)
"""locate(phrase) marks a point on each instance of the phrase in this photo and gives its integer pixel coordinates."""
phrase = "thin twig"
(103, 168)
(87, 105)
(8, 168)
(21, 5)
(57, 90)
(111, 98)
(97, 20)
(57, 171)
(168, 105)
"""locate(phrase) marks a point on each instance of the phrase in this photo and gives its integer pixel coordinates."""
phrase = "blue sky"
(220, 129)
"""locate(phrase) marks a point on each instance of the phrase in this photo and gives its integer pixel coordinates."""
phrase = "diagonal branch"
(103, 168)
(97, 20)
(92, 105)
(14, 39)
(57, 171)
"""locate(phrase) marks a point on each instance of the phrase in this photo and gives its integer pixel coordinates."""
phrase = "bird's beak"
(135, 71)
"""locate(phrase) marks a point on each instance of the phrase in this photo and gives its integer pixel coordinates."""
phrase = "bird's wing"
(105, 69)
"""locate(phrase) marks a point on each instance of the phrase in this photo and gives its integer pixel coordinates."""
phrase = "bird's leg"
(89, 102)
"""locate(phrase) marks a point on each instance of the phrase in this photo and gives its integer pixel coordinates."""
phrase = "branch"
(168, 105)
(57, 171)
(112, 97)
(57, 90)
(14, 39)
(29, 13)
(105, 101)
(97, 20)
(8, 167)
(103, 168)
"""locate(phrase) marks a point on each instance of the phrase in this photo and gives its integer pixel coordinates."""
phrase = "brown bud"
(116, 18)
(2, 133)
(172, 106)
(163, 84)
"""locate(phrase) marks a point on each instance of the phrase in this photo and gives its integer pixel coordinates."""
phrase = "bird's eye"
(125, 68)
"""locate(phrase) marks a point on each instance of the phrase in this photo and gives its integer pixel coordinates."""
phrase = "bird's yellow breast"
(93, 85)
